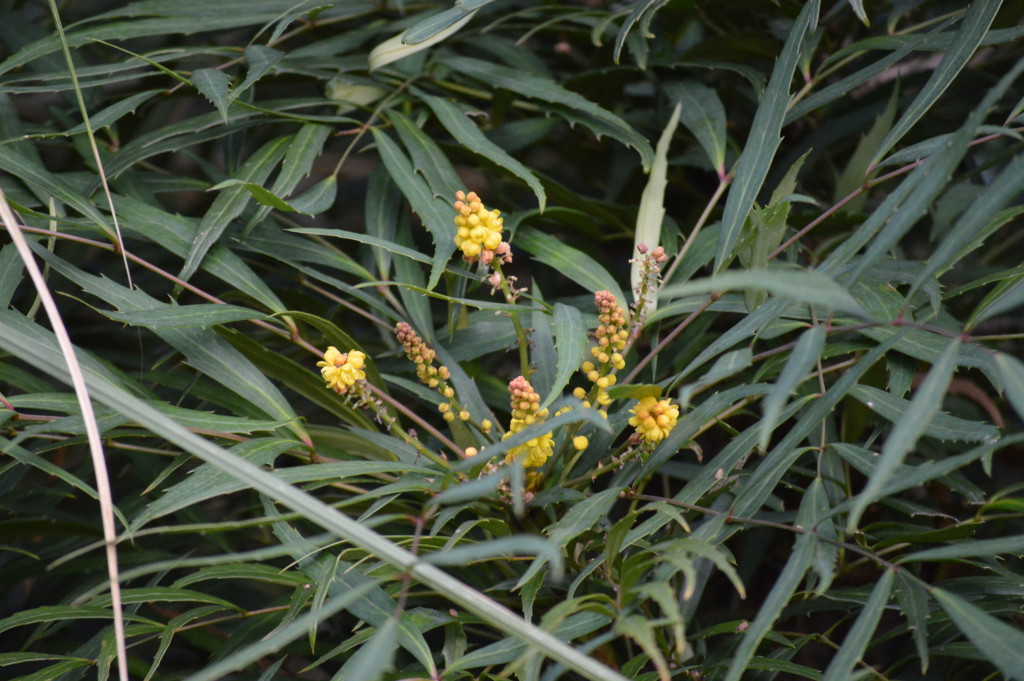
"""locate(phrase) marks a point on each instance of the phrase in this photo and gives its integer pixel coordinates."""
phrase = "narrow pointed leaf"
(904, 436)
(995, 639)
(804, 356)
(764, 139)
(468, 135)
(571, 344)
(857, 639)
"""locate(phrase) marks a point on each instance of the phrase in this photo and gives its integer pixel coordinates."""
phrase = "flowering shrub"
(715, 374)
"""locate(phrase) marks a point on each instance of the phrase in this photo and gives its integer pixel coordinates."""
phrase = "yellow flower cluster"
(479, 230)
(342, 370)
(526, 411)
(612, 334)
(653, 418)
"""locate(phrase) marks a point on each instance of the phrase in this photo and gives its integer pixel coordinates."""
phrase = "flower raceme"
(479, 230)
(526, 411)
(653, 418)
(342, 370)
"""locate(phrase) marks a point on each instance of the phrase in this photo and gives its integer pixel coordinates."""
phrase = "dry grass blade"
(92, 429)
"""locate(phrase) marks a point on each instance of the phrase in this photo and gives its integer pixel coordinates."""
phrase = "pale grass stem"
(88, 416)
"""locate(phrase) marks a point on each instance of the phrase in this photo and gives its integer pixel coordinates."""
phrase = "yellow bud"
(443, 407)
(580, 442)
(449, 416)
(486, 425)
(603, 382)
(611, 379)
(579, 393)
(449, 393)
(603, 358)
(471, 451)
(595, 351)
(592, 376)
(588, 366)
(463, 415)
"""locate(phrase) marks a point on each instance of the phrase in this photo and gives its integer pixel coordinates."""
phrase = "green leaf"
(317, 199)
(704, 116)
(942, 426)
(796, 566)
(803, 286)
(1013, 371)
(427, 158)
(203, 315)
(858, 9)
(260, 59)
(913, 602)
(278, 639)
(215, 85)
(468, 135)
(1013, 546)
(764, 138)
(640, 630)
(856, 171)
(525, 84)
(571, 344)
(437, 214)
(230, 203)
(995, 639)
(29, 345)
(973, 27)
(857, 639)
(904, 436)
(115, 112)
(376, 656)
(983, 210)
(574, 264)
(804, 356)
(651, 212)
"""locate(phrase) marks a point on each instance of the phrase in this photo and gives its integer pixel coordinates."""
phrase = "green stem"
(524, 346)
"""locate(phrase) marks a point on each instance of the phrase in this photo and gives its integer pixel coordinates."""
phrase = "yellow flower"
(526, 411)
(580, 442)
(533, 453)
(479, 230)
(653, 418)
(342, 370)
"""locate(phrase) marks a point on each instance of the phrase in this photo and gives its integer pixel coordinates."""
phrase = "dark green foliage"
(837, 188)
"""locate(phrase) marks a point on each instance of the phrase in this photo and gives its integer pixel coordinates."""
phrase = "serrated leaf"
(529, 85)
(796, 566)
(260, 59)
(230, 203)
(999, 642)
(913, 602)
(39, 347)
(923, 407)
(571, 344)
(215, 86)
(468, 135)
(942, 426)
(427, 158)
(704, 116)
(436, 214)
(857, 639)
(973, 27)
(764, 138)
(1013, 371)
